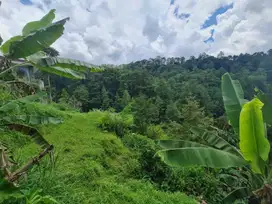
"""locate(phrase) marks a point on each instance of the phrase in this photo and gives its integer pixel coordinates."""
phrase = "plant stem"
(49, 86)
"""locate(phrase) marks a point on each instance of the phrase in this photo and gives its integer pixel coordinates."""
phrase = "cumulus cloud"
(120, 31)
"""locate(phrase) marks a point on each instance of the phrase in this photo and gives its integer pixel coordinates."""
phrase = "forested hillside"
(158, 88)
(158, 131)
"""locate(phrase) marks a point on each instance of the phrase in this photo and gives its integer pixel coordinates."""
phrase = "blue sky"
(212, 19)
(26, 2)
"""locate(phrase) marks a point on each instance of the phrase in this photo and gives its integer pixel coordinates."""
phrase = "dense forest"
(163, 130)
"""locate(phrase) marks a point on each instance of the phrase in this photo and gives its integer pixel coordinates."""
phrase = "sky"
(121, 31)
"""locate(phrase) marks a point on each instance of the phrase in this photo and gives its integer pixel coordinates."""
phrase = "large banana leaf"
(35, 135)
(200, 156)
(15, 104)
(31, 119)
(215, 140)
(253, 144)
(36, 25)
(64, 72)
(233, 97)
(67, 63)
(5, 47)
(33, 98)
(236, 194)
(37, 61)
(37, 40)
(173, 144)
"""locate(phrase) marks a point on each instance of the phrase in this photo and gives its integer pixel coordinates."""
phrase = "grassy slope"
(91, 167)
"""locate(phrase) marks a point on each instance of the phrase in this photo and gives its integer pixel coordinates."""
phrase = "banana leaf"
(172, 144)
(37, 40)
(214, 140)
(236, 194)
(35, 135)
(75, 65)
(36, 25)
(233, 97)
(5, 47)
(253, 144)
(200, 156)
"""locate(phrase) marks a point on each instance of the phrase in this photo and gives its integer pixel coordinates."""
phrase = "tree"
(105, 99)
(82, 96)
(64, 97)
(172, 113)
(125, 100)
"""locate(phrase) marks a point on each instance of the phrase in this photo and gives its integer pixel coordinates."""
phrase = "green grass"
(91, 166)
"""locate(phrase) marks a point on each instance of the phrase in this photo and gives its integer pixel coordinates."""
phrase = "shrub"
(116, 122)
(155, 132)
(193, 181)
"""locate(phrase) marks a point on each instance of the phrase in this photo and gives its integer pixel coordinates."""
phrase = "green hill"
(91, 166)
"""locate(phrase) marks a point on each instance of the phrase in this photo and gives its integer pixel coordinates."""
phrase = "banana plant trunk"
(49, 87)
(265, 194)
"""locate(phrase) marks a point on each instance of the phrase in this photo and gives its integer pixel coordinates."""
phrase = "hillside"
(91, 166)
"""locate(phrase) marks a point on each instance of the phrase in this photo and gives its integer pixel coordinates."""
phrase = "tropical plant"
(29, 50)
(34, 43)
(248, 119)
(20, 115)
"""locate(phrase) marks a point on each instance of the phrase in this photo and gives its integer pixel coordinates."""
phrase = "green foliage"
(93, 166)
(233, 97)
(105, 99)
(36, 25)
(200, 156)
(36, 41)
(116, 122)
(253, 143)
(155, 132)
(6, 46)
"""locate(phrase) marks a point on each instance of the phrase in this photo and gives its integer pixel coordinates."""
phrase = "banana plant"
(19, 115)
(37, 36)
(249, 120)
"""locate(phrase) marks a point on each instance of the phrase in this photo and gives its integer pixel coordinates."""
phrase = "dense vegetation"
(116, 121)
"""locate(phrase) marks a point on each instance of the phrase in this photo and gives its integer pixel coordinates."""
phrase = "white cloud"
(120, 31)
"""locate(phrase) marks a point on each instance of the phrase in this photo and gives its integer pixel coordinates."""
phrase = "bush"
(155, 132)
(116, 122)
(193, 181)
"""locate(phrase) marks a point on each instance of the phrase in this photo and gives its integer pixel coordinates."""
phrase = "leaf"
(35, 135)
(33, 98)
(37, 41)
(253, 144)
(215, 141)
(31, 119)
(172, 144)
(236, 194)
(200, 156)
(233, 97)
(68, 73)
(36, 59)
(267, 108)
(1, 40)
(5, 47)
(36, 25)
(67, 63)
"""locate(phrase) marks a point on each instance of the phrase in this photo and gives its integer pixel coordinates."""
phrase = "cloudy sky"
(121, 31)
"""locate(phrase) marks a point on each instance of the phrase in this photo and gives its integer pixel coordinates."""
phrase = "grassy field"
(91, 166)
